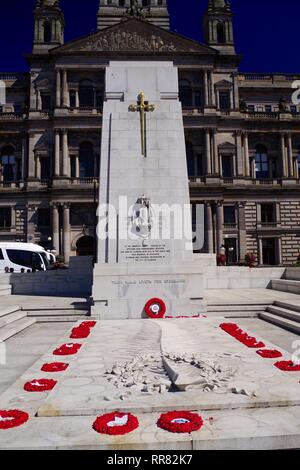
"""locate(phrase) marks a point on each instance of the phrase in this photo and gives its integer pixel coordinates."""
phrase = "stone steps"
(284, 313)
(58, 314)
(15, 327)
(11, 318)
(5, 290)
(285, 323)
(286, 285)
(236, 310)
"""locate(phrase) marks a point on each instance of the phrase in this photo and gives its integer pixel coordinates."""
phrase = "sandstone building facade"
(242, 133)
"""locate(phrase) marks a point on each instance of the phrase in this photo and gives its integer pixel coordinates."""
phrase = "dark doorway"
(231, 250)
(85, 246)
(269, 251)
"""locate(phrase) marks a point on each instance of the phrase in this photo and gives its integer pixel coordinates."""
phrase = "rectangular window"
(72, 99)
(82, 214)
(44, 218)
(45, 168)
(251, 108)
(224, 97)
(268, 108)
(229, 215)
(46, 102)
(268, 214)
(5, 218)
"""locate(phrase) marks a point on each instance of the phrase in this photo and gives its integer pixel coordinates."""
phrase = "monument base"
(121, 291)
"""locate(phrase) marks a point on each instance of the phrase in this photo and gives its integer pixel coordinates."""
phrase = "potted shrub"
(250, 260)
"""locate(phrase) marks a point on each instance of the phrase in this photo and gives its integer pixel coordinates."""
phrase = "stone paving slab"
(265, 422)
(267, 429)
(84, 389)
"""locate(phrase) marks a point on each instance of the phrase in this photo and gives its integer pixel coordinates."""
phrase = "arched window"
(221, 37)
(9, 164)
(190, 159)
(186, 94)
(86, 94)
(262, 162)
(47, 32)
(87, 161)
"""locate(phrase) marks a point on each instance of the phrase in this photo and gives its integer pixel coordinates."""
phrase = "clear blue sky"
(266, 31)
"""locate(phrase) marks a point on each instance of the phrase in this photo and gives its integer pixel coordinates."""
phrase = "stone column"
(279, 254)
(31, 216)
(209, 235)
(216, 153)
(58, 88)
(57, 154)
(212, 90)
(66, 232)
(24, 158)
(31, 157)
(65, 90)
(38, 100)
(239, 154)
(236, 101)
(55, 227)
(220, 224)
(38, 167)
(77, 104)
(242, 230)
(65, 155)
(208, 152)
(77, 167)
(283, 157)
(260, 252)
(290, 156)
(206, 94)
(246, 156)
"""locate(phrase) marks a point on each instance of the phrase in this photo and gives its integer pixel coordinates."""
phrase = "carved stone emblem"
(127, 41)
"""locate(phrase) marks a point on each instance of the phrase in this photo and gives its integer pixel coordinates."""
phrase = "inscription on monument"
(145, 253)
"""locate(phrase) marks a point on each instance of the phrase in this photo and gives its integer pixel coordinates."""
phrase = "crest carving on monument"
(127, 41)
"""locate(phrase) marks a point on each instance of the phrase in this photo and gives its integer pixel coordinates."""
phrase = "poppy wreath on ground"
(155, 308)
(236, 332)
(67, 350)
(116, 424)
(42, 385)
(55, 367)
(288, 366)
(269, 354)
(12, 419)
(180, 422)
(88, 324)
(80, 333)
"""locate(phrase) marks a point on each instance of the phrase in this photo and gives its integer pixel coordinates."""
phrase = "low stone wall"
(240, 277)
(76, 281)
(292, 274)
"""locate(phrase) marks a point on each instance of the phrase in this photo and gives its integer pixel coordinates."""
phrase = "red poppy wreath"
(67, 350)
(88, 324)
(80, 333)
(116, 424)
(55, 367)
(42, 385)
(288, 366)
(180, 422)
(12, 419)
(155, 308)
(269, 354)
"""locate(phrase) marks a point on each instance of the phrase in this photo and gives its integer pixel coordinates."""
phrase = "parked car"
(24, 257)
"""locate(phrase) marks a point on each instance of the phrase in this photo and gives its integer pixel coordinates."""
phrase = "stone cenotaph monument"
(145, 247)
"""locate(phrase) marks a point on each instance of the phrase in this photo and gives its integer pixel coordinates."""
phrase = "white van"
(23, 257)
